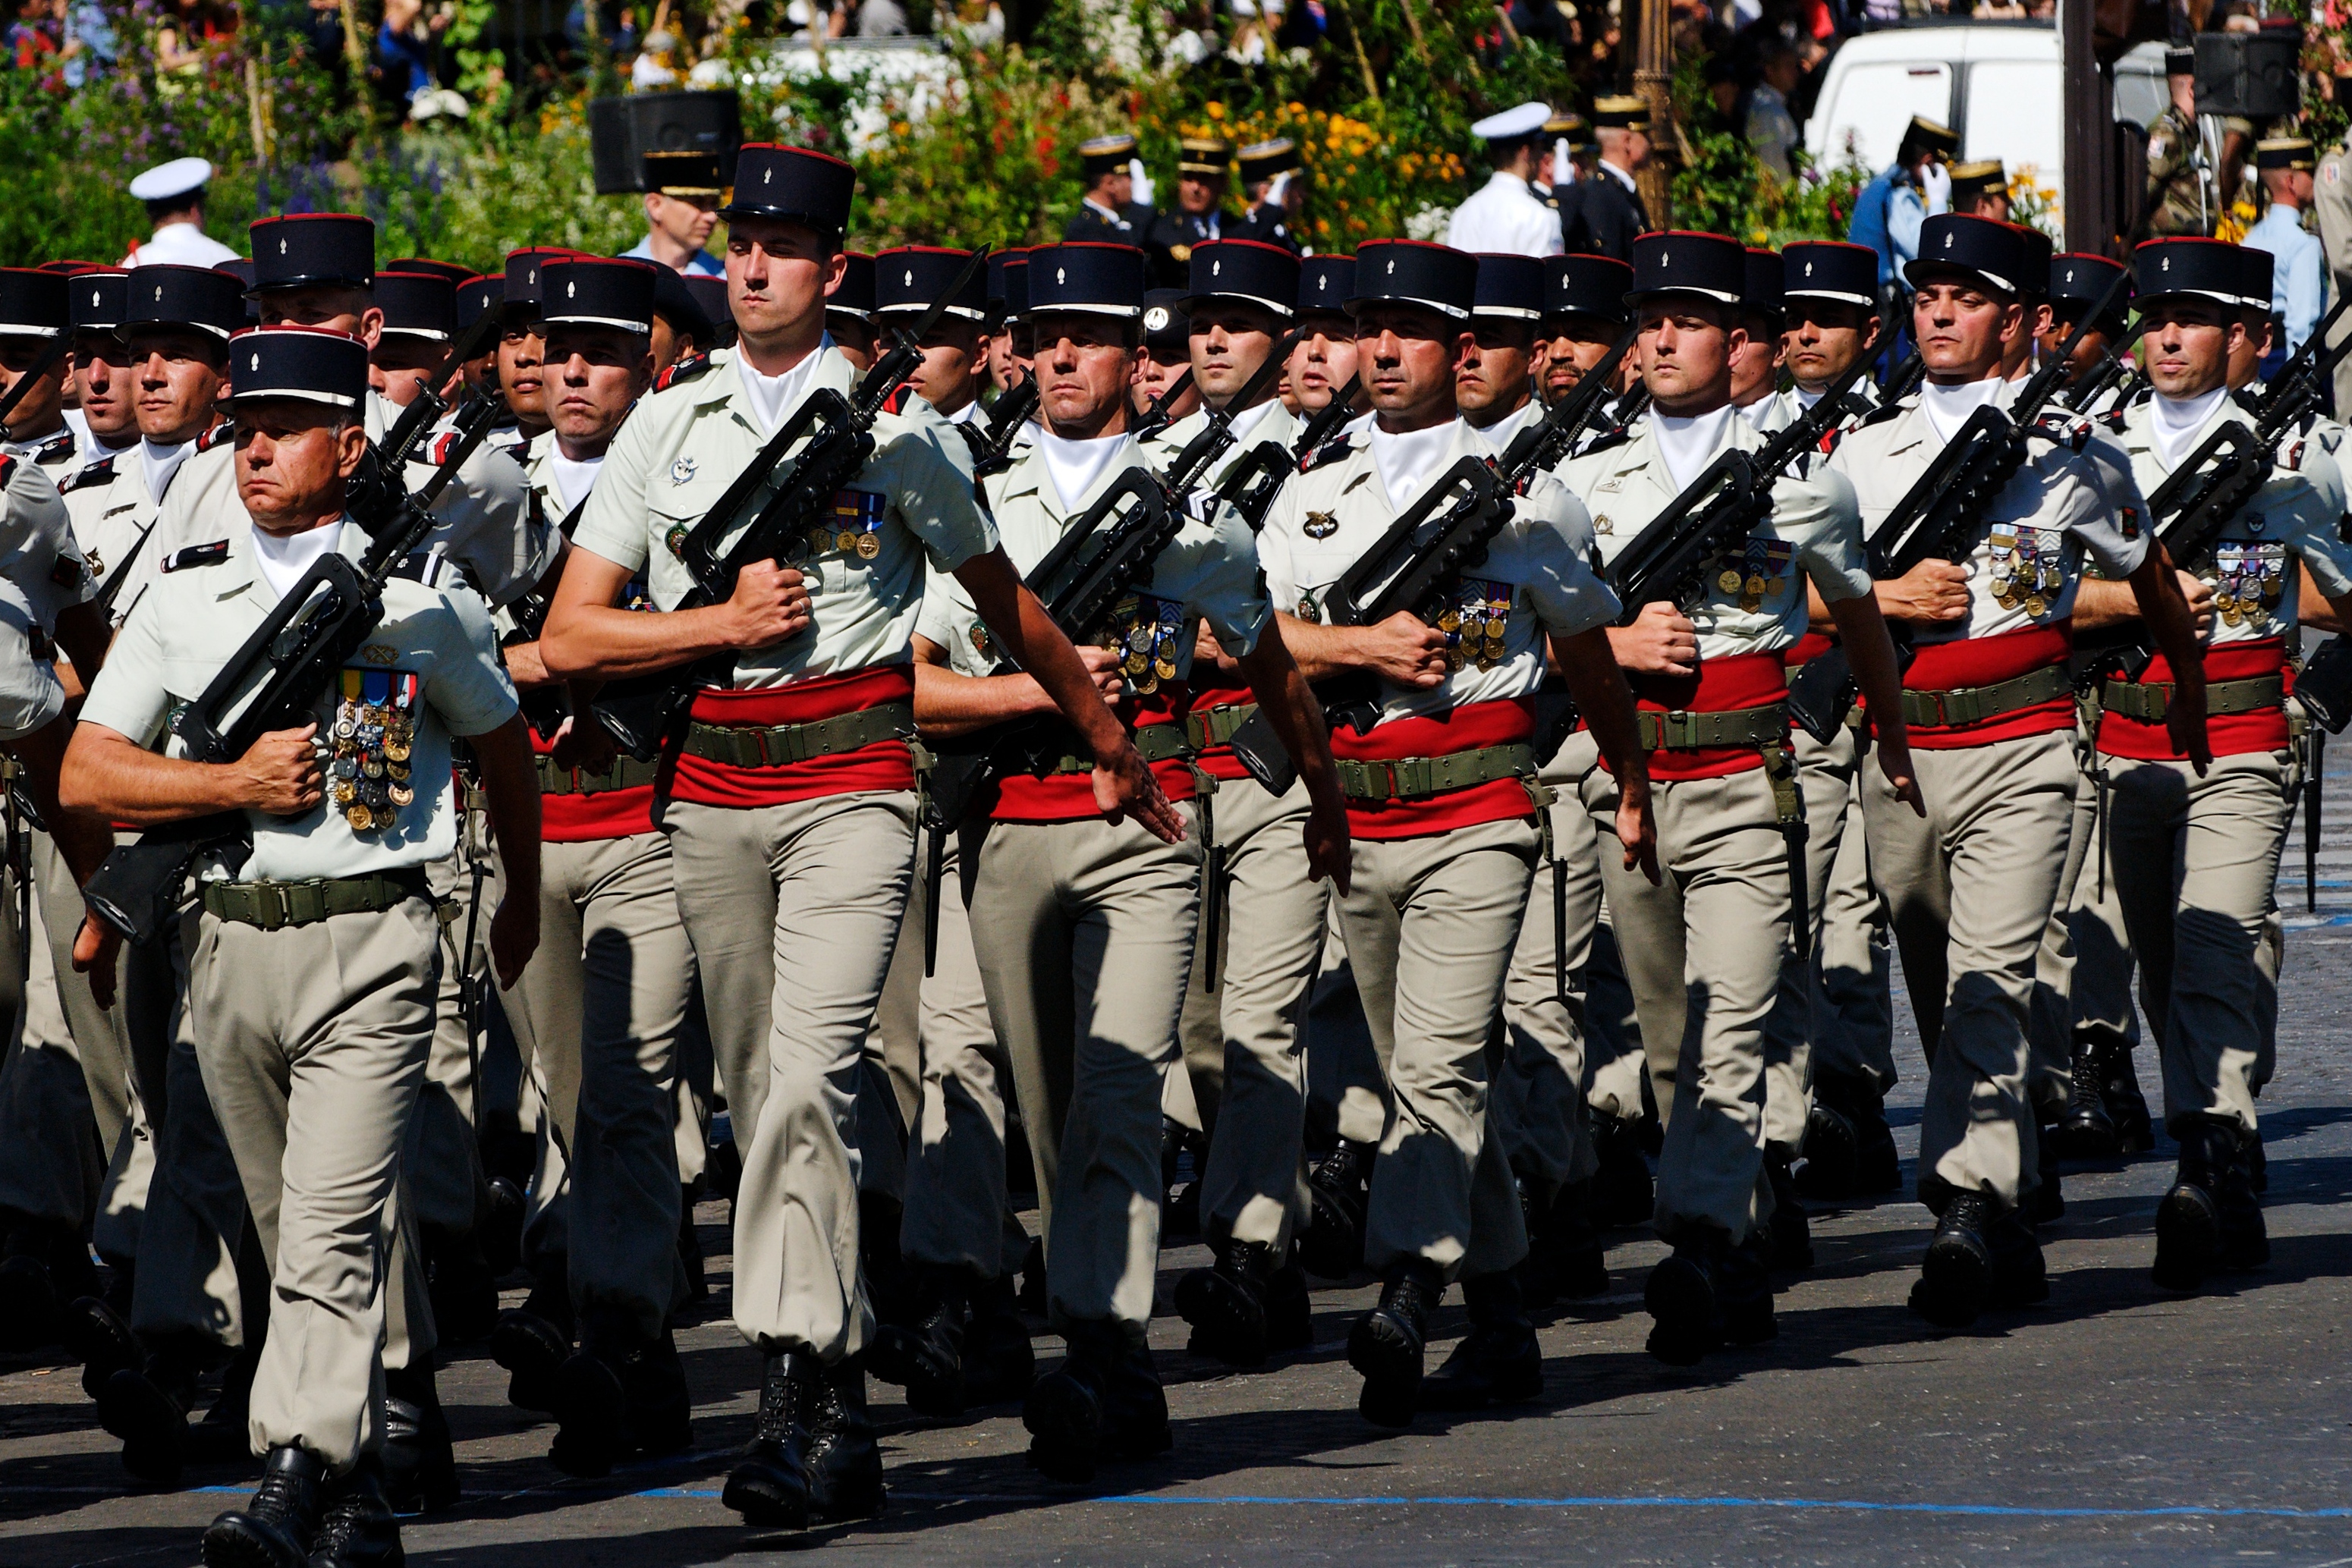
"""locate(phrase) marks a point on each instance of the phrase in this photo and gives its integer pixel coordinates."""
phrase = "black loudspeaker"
(2249, 74)
(621, 131)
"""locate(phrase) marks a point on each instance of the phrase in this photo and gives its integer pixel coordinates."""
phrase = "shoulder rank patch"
(2113, 419)
(56, 449)
(686, 370)
(896, 402)
(2060, 428)
(71, 572)
(1883, 412)
(214, 436)
(1615, 436)
(1331, 452)
(98, 473)
(212, 554)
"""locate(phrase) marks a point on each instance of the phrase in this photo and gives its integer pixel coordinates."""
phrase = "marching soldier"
(1275, 179)
(34, 309)
(1496, 389)
(2195, 848)
(791, 815)
(1239, 308)
(1441, 800)
(521, 352)
(955, 350)
(849, 311)
(1756, 371)
(1708, 674)
(1990, 708)
(104, 418)
(1167, 355)
(313, 967)
(1108, 212)
(1201, 166)
(1324, 362)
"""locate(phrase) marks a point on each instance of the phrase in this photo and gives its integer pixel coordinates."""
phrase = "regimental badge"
(379, 653)
(1475, 620)
(1320, 526)
(68, 573)
(1148, 633)
(682, 471)
(374, 736)
(1310, 608)
(982, 643)
(1601, 525)
(854, 527)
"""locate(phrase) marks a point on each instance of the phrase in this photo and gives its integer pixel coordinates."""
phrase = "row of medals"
(1474, 629)
(1749, 586)
(2242, 595)
(1150, 648)
(2033, 580)
(371, 764)
(864, 543)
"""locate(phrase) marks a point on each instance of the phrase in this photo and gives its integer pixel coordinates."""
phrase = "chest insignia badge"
(1320, 525)
(379, 653)
(682, 471)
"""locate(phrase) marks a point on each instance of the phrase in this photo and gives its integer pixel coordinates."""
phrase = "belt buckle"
(268, 904)
(1388, 771)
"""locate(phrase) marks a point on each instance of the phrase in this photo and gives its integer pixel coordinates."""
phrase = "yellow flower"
(1216, 111)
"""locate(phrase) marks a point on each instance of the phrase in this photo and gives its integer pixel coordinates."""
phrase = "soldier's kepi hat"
(1761, 287)
(1264, 160)
(1249, 270)
(308, 365)
(1203, 155)
(1016, 285)
(855, 296)
(519, 301)
(1993, 252)
(1829, 269)
(2208, 268)
(193, 296)
(1621, 114)
(1167, 330)
(1324, 283)
(1415, 272)
(32, 303)
(312, 249)
(687, 307)
(597, 291)
(1682, 261)
(2257, 278)
(909, 277)
(97, 297)
(420, 305)
(2079, 281)
(1104, 155)
(2284, 152)
(1094, 278)
(1510, 287)
(457, 275)
(1595, 285)
(791, 184)
(2033, 278)
(683, 172)
(477, 295)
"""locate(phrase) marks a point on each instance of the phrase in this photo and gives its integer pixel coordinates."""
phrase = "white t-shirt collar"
(1949, 408)
(1074, 466)
(2173, 423)
(282, 561)
(770, 398)
(1408, 460)
(1689, 442)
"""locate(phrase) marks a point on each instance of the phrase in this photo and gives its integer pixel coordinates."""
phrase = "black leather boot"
(2188, 1221)
(2020, 1278)
(463, 1291)
(2126, 1107)
(1387, 1345)
(420, 1466)
(498, 1226)
(1832, 1164)
(925, 1355)
(661, 1406)
(1744, 1292)
(1336, 1190)
(844, 1462)
(1790, 1244)
(2046, 1204)
(1066, 1413)
(224, 1437)
(998, 1361)
(1862, 1109)
(1564, 1257)
(97, 1329)
(2086, 1129)
(1622, 1192)
(1289, 1309)
(1684, 1296)
(275, 1529)
(1498, 1362)
(591, 1409)
(769, 1487)
(1956, 1277)
(147, 1407)
(356, 1527)
(1226, 1303)
(42, 1268)
(533, 1340)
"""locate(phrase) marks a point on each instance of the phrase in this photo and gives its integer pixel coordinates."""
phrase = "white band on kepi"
(1837, 294)
(965, 310)
(1517, 312)
(1452, 312)
(25, 330)
(642, 328)
(292, 395)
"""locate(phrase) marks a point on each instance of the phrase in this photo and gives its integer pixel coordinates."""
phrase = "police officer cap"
(1016, 285)
(678, 301)
(477, 295)
(416, 305)
(1104, 155)
(1208, 155)
(2081, 281)
(1250, 271)
(1590, 286)
(179, 177)
(1095, 278)
(308, 365)
(2180, 62)
(2257, 272)
(2033, 278)
(313, 249)
(1970, 181)
(1167, 330)
(32, 303)
(1621, 114)
(683, 172)
(98, 299)
(1416, 272)
(1926, 134)
(1520, 123)
(1762, 288)
(520, 301)
(197, 297)
(458, 276)
(597, 291)
(1982, 249)
(1682, 261)
(1510, 287)
(1829, 269)
(791, 184)
(1264, 160)
(2283, 153)
(1325, 282)
(908, 278)
(855, 295)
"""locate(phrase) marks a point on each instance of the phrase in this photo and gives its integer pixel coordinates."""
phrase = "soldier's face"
(1569, 346)
(1825, 338)
(400, 364)
(179, 374)
(103, 378)
(292, 457)
(521, 356)
(2246, 357)
(1496, 373)
(39, 412)
(1753, 367)
(1324, 361)
(2053, 335)
(779, 275)
(948, 378)
(329, 305)
(1198, 193)
(1685, 350)
(669, 345)
(1962, 328)
(1408, 356)
(591, 377)
(855, 336)
(1084, 367)
(1006, 367)
(2188, 346)
(1230, 340)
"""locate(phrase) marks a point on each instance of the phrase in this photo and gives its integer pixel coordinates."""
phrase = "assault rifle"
(1162, 412)
(2324, 687)
(1010, 411)
(2303, 385)
(1940, 514)
(1422, 557)
(43, 363)
(1254, 481)
(2110, 375)
(1903, 379)
(644, 713)
(298, 652)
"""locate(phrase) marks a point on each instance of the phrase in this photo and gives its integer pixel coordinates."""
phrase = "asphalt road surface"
(2114, 1425)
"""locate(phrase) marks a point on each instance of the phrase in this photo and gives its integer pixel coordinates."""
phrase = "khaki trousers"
(313, 1041)
(1826, 772)
(1969, 891)
(2196, 861)
(1084, 931)
(1853, 1002)
(443, 1172)
(1248, 1031)
(2049, 1029)
(2099, 979)
(792, 912)
(1431, 924)
(605, 996)
(1705, 950)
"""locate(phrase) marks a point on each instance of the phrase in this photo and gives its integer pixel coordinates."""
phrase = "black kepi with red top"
(2210, 269)
(1251, 271)
(1829, 269)
(311, 250)
(908, 278)
(307, 364)
(1414, 272)
(793, 185)
(1993, 253)
(597, 291)
(1097, 280)
(1682, 261)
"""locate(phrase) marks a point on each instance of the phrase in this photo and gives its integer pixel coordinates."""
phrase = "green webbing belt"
(626, 773)
(2152, 702)
(1683, 730)
(1216, 725)
(1418, 778)
(779, 746)
(1974, 705)
(272, 906)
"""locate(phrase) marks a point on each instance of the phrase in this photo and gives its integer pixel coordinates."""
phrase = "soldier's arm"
(1402, 649)
(510, 794)
(588, 637)
(2099, 602)
(108, 773)
(2155, 585)
(949, 703)
(1298, 718)
(1590, 666)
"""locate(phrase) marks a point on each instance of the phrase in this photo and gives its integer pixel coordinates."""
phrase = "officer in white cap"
(175, 194)
(1505, 218)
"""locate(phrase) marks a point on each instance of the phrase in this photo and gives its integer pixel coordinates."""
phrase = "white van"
(1995, 83)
